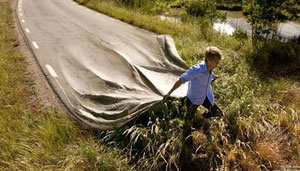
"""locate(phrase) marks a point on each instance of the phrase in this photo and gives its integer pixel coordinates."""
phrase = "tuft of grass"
(249, 165)
(152, 142)
(269, 153)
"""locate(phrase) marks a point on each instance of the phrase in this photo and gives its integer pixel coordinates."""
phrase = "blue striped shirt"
(199, 86)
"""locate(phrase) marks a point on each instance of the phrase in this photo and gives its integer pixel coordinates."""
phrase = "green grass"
(230, 7)
(33, 137)
(261, 124)
(188, 38)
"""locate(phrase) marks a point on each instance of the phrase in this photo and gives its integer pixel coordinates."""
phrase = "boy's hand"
(215, 78)
(166, 96)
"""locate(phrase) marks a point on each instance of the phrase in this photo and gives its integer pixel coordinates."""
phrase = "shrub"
(276, 57)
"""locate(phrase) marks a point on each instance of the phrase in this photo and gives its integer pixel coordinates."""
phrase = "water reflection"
(172, 19)
(236, 20)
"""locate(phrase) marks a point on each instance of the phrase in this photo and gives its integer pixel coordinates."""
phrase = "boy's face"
(213, 63)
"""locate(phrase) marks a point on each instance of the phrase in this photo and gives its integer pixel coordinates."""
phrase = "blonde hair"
(212, 53)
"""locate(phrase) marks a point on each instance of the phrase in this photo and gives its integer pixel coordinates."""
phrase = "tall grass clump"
(256, 106)
(150, 7)
(33, 137)
(277, 57)
(153, 140)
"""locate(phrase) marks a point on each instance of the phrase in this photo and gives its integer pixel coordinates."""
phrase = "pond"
(236, 20)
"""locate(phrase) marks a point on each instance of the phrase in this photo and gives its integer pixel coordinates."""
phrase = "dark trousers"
(213, 110)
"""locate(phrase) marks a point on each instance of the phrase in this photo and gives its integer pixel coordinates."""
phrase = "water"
(236, 20)
(172, 19)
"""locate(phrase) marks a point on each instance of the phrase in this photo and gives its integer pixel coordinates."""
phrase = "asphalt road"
(105, 72)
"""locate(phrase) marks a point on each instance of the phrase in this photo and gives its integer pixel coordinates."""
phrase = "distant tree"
(229, 1)
(204, 8)
(206, 13)
(263, 15)
(294, 9)
(200, 8)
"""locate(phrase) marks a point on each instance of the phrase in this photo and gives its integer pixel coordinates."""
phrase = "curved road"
(105, 72)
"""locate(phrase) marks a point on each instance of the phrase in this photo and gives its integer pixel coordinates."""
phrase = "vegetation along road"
(258, 90)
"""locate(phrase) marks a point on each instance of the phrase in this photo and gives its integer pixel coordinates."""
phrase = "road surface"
(105, 72)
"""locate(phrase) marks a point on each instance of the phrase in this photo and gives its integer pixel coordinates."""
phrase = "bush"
(197, 8)
(154, 139)
(230, 7)
(151, 7)
(278, 57)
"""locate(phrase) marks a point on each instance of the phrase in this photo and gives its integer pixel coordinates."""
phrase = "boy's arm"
(175, 86)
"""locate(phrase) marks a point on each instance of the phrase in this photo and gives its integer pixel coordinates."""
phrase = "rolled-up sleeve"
(189, 75)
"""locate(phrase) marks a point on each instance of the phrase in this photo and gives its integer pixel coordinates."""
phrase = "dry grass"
(269, 153)
(200, 141)
(249, 165)
(297, 130)
(296, 150)
(231, 156)
(290, 97)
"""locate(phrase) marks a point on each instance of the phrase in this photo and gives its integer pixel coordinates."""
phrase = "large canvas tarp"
(124, 81)
(107, 72)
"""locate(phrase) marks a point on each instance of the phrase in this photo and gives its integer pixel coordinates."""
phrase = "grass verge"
(261, 112)
(36, 138)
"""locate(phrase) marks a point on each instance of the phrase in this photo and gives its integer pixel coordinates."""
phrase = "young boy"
(199, 92)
